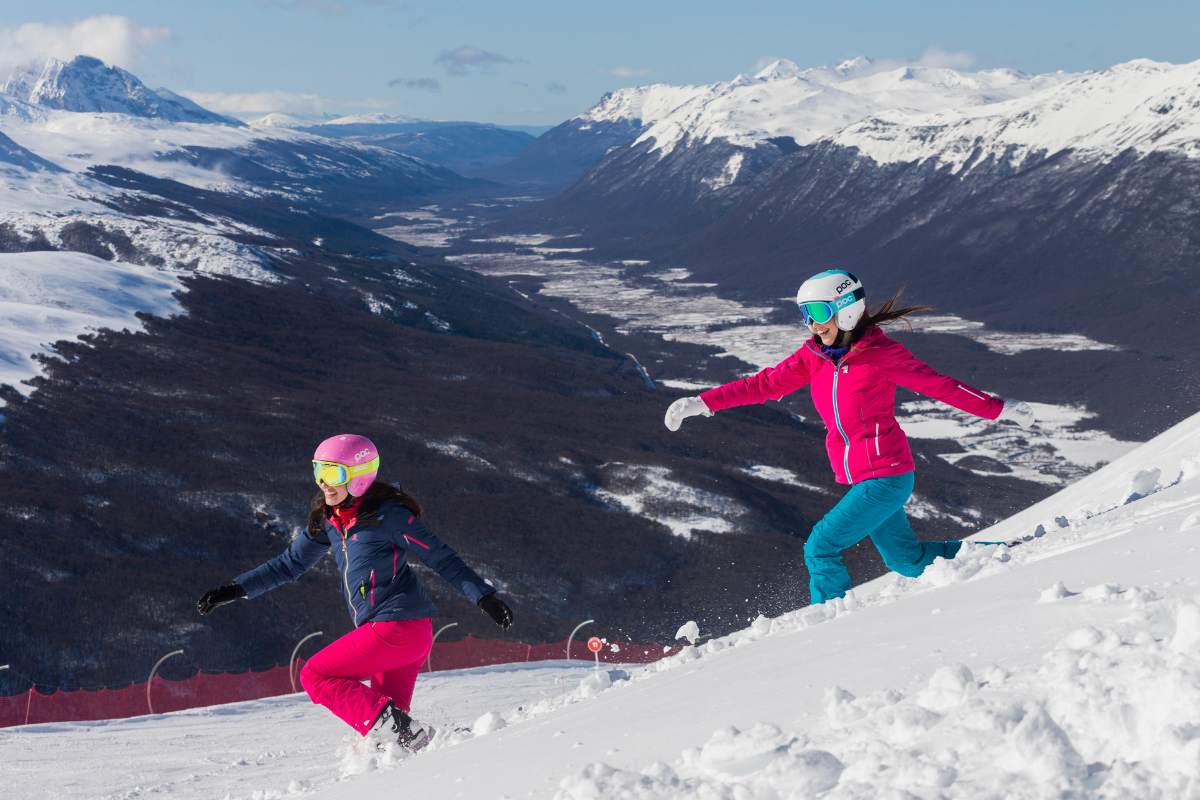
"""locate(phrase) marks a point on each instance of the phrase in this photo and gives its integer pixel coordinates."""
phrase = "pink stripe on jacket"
(856, 399)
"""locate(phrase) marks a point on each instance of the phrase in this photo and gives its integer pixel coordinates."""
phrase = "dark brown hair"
(889, 312)
(378, 494)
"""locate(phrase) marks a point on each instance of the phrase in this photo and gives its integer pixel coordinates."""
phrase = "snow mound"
(488, 723)
(688, 630)
(1109, 713)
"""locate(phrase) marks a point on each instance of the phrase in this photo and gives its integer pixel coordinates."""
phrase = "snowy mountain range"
(121, 152)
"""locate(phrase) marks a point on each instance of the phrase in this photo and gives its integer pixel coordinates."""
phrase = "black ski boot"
(405, 731)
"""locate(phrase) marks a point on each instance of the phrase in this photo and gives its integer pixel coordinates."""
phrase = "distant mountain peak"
(853, 65)
(87, 84)
(779, 69)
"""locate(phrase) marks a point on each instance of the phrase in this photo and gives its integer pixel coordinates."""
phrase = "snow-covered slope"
(1066, 667)
(86, 83)
(13, 155)
(80, 140)
(49, 296)
(643, 105)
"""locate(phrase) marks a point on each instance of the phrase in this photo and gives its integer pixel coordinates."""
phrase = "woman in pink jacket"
(852, 369)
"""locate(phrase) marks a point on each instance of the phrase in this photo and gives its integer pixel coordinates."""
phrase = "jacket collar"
(871, 338)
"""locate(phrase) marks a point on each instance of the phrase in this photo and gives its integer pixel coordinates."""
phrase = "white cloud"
(260, 102)
(953, 59)
(629, 72)
(112, 39)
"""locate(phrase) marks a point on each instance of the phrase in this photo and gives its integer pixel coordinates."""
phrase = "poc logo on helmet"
(361, 454)
(843, 286)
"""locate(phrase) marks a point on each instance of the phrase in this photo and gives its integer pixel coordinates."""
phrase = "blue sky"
(542, 62)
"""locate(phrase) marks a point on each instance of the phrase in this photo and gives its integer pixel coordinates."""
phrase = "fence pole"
(151, 678)
(429, 658)
(28, 705)
(572, 636)
(292, 660)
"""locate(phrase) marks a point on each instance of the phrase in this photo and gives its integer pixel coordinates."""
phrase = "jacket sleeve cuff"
(476, 591)
(712, 399)
(251, 583)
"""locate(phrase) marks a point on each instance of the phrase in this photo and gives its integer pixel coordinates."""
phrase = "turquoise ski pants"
(872, 508)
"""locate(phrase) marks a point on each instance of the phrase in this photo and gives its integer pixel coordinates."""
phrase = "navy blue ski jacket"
(372, 558)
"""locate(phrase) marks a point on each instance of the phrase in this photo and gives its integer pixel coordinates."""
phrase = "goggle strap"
(363, 469)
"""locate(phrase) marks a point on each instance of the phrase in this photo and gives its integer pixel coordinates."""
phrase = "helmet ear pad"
(358, 485)
(849, 316)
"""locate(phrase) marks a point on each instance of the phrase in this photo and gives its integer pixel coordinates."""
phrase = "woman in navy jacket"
(371, 528)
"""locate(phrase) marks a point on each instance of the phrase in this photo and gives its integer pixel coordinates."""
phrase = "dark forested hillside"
(148, 467)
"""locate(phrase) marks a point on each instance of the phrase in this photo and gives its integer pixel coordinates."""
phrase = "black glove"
(219, 597)
(498, 610)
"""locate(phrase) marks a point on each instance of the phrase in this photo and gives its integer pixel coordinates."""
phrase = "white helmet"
(834, 292)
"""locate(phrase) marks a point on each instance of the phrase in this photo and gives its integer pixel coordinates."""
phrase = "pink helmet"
(351, 450)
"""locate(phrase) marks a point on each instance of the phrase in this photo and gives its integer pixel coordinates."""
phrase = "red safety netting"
(207, 688)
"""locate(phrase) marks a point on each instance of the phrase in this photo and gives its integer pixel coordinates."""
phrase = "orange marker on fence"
(595, 644)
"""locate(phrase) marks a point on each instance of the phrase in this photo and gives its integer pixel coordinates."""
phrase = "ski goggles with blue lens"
(821, 311)
(332, 473)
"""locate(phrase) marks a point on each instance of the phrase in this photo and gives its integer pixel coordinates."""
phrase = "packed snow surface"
(46, 297)
(1066, 667)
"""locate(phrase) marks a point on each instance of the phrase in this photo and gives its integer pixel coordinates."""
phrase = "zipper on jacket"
(837, 370)
(346, 579)
(372, 588)
(876, 438)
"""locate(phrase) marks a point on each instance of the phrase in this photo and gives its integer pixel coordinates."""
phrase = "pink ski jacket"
(856, 399)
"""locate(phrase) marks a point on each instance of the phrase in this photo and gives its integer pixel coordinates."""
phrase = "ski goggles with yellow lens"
(332, 473)
(821, 311)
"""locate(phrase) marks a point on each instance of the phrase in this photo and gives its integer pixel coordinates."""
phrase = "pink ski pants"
(389, 653)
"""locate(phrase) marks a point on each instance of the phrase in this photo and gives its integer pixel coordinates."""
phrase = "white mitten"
(1018, 412)
(683, 408)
